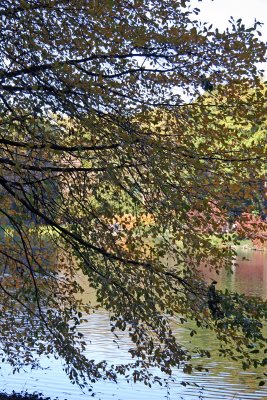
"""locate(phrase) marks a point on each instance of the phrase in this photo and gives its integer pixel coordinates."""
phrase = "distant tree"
(102, 117)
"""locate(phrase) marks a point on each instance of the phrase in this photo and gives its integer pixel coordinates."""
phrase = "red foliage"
(250, 226)
(211, 220)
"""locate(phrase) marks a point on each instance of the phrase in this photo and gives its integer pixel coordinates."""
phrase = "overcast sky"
(218, 12)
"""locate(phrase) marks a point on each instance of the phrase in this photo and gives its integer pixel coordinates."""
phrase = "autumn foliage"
(130, 110)
(250, 226)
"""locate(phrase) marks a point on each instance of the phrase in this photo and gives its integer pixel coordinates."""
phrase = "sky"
(218, 13)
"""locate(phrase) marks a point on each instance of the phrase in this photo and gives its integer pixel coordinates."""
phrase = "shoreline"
(249, 246)
(23, 396)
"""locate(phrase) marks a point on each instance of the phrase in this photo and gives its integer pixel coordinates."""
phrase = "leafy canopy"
(102, 121)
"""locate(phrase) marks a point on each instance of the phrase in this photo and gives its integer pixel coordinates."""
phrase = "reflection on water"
(249, 276)
(224, 381)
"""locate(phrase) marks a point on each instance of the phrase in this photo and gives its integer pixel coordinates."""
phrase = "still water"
(223, 381)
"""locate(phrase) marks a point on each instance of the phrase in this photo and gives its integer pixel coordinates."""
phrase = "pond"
(224, 380)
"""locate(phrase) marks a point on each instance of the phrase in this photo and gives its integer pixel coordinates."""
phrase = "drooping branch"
(53, 146)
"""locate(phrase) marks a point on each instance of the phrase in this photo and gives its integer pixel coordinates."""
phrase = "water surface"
(224, 380)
